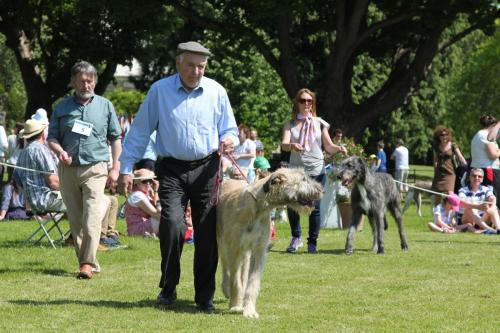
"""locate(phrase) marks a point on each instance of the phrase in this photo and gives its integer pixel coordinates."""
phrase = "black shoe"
(166, 300)
(206, 307)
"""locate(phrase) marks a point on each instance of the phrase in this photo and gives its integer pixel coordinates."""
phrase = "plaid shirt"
(35, 156)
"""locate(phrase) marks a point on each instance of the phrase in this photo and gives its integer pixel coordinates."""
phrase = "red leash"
(214, 195)
(230, 157)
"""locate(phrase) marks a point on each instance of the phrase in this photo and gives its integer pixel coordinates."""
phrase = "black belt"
(188, 164)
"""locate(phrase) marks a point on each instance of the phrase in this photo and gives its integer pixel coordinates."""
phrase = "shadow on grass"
(180, 306)
(22, 243)
(32, 269)
(494, 237)
(320, 251)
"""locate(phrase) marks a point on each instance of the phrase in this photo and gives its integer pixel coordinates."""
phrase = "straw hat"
(32, 127)
(143, 174)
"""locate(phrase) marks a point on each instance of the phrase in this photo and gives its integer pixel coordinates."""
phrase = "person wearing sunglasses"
(478, 204)
(305, 136)
(447, 156)
(142, 214)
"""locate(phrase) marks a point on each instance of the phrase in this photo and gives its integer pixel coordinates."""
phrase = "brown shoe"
(85, 272)
(102, 248)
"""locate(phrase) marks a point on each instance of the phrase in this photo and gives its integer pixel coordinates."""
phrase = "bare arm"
(286, 145)
(61, 154)
(53, 181)
(492, 151)
(460, 156)
(148, 208)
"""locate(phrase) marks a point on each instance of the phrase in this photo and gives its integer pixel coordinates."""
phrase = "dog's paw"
(252, 314)
(348, 251)
(381, 250)
(404, 248)
(236, 308)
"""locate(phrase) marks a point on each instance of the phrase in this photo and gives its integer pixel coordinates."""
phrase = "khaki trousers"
(108, 227)
(82, 189)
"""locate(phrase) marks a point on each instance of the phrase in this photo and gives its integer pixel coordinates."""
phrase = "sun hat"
(261, 163)
(193, 47)
(31, 128)
(372, 156)
(41, 116)
(143, 174)
(454, 200)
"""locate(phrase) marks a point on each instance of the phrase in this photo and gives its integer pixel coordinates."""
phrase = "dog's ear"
(273, 180)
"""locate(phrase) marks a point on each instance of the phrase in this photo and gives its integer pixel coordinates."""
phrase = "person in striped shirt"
(478, 204)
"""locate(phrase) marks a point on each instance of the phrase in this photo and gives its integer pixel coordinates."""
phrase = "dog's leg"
(225, 285)
(379, 233)
(236, 264)
(356, 218)
(418, 201)
(396, 213)
(408, 199)
(257, 261)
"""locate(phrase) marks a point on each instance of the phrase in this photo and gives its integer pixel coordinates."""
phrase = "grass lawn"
(445, 283)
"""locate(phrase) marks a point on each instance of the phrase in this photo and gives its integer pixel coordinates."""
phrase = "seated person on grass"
(13, 205)
(444, 216)
(479, 204)
(141, 211)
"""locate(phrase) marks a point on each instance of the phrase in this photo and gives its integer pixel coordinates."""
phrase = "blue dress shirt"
(189, 124)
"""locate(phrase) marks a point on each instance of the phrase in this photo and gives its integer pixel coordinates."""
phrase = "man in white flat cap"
(193, 118)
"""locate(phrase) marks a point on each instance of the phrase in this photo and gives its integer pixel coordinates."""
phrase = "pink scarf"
(307, 132)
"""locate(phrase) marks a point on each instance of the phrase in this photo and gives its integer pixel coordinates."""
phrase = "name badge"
(82, 127)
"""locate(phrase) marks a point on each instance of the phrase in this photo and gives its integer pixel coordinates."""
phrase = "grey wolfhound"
(371, 194)
(243, 229)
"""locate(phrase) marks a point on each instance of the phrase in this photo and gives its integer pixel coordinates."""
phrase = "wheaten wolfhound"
(416, 194)
(243, 229)
(371, 194)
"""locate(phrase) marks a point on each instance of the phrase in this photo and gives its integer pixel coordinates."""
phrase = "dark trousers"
(492, 178)
(314, 218)
(181, 182)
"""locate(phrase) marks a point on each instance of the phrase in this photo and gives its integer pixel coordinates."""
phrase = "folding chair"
(48, 221)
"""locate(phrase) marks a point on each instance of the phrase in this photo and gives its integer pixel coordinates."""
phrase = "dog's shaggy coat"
(371, 194)
(243, 228)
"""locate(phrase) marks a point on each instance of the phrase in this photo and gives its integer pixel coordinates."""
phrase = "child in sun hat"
(142, 214)
(444, 216)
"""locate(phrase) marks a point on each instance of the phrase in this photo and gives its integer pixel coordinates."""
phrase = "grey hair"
(85, 68)
(478, 170)
(180, 56)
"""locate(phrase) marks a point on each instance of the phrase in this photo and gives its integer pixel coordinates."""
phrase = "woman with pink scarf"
(305, 136)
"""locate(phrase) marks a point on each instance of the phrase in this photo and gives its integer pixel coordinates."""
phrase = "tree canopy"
(48, 37)
(319, 44)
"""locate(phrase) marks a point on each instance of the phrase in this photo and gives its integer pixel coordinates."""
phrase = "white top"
(14, 149)
(246, 148)
(479, 156)
(135, 197)
(3, 141)
(446, 216)
(401, 158)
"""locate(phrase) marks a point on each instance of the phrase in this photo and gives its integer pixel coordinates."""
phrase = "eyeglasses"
(147, 181)
(443, 134)
(305, 100)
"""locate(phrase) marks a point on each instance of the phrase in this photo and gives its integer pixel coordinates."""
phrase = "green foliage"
(474, 91)
(255, 91)
(12, 93)
(126, 102)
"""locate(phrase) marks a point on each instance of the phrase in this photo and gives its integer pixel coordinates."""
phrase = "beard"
(84, 95)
